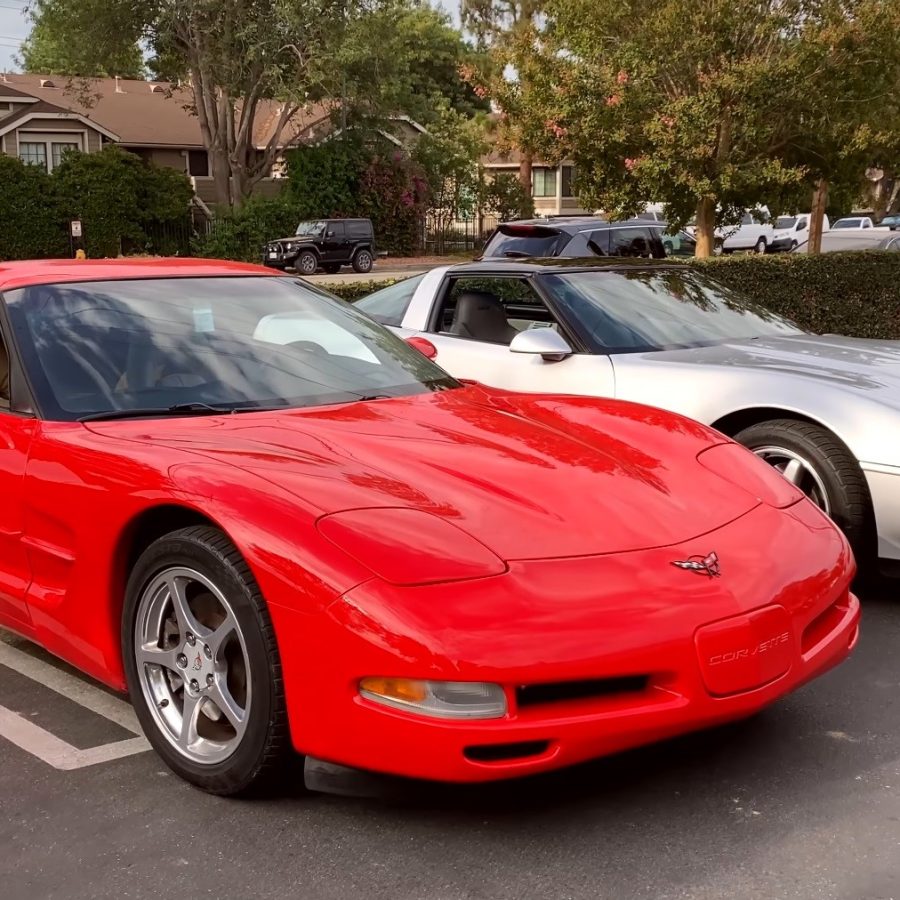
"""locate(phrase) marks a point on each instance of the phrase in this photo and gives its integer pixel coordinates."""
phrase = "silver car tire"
(825, 470)
(202, 665)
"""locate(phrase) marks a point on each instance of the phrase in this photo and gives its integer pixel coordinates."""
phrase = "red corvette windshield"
(204, 344)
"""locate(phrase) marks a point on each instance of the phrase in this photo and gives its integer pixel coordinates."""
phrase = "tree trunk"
(706, 227)
(221, 173)
(817, 216)
(525, 166)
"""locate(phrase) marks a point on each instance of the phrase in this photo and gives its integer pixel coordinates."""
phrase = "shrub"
(242, 234)
(118, 197)
(121, 201)
(855, 293)
(32, 224)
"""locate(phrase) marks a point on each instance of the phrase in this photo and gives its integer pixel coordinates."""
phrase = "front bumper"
(276, 257)
(884, 487)
(667, 651)
(780, 244)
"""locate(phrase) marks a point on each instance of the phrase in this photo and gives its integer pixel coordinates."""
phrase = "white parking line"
(48, 747)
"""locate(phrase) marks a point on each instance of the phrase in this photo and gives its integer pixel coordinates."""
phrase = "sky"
(14, 27)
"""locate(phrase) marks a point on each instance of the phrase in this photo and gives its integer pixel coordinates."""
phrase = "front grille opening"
(824, 624)
(505, 752)
(559, 692)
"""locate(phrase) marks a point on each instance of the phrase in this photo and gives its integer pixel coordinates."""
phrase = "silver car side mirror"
(546, 342)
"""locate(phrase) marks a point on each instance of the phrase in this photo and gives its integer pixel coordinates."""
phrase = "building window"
(60, 149)
(543, 182)
(33, 153)
(568, 175)
(198, 163)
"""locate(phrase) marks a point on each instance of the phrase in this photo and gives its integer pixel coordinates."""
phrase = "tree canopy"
(370, 57)
(47, 51)
(710, 106)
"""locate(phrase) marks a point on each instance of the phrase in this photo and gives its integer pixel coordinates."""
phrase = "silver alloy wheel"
(308, 264)
(192, 664)
(364, 260)
(798, 471)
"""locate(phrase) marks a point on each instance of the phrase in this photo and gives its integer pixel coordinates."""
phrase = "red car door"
(16, 432)
(15, 438)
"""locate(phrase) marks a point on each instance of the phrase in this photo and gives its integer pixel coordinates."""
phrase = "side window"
(492, 309)
(746, 219)
(679, 244)
(634, 242)
(802, 225)
(866, 223)
(4, 376)
(358, 231)
(336, 230)
(389, 305)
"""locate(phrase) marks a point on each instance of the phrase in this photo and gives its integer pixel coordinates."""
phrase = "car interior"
(492, 310)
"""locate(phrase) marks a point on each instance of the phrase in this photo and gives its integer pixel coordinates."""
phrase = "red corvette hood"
(529, 476)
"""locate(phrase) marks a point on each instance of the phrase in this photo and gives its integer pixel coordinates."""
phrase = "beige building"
(551, 186)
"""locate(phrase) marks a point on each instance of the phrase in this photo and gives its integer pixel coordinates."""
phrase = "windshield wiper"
(178, 409)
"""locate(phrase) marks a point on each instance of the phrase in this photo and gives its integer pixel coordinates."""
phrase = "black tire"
(794, 246)
(718, 247)
(332, 268)
(306, 263)
(761, 246)
(844, 482)
(363, 261)
(264, 746)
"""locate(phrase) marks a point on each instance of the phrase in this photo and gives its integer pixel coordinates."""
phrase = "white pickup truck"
(857, 223)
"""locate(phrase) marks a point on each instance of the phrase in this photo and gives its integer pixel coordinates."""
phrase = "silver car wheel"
(193, 665)
(799, 472)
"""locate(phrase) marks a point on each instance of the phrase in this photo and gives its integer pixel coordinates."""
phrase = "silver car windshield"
(627, 312)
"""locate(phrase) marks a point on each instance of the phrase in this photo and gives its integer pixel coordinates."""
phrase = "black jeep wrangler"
(324, 244)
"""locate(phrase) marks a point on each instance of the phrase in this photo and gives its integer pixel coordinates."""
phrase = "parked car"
(853, 222)
(755, 232)
(577, 237)
(791, 232)
(822, 410)
(325, 244)
(303, 535)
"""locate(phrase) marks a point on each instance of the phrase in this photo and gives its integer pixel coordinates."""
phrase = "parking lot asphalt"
(802, 801)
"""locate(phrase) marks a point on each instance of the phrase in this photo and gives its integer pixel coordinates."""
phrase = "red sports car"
(278, 526)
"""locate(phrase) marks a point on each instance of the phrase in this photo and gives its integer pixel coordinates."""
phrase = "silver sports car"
(824, 410)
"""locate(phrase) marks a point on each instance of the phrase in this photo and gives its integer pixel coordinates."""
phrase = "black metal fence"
(445, 238)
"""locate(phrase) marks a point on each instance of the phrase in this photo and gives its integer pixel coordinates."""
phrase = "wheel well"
(737, 421)
(141, 533)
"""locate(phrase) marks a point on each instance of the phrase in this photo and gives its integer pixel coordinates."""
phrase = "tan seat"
(4, 377)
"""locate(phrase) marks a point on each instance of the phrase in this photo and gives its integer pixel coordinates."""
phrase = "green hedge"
(125, 205)
(854, 293)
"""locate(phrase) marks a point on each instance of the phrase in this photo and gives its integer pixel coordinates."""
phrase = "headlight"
(740, 466)
(439, 699)
(409, 546)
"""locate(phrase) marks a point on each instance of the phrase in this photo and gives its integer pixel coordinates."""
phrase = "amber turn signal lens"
(439, 699)
(406, 690)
